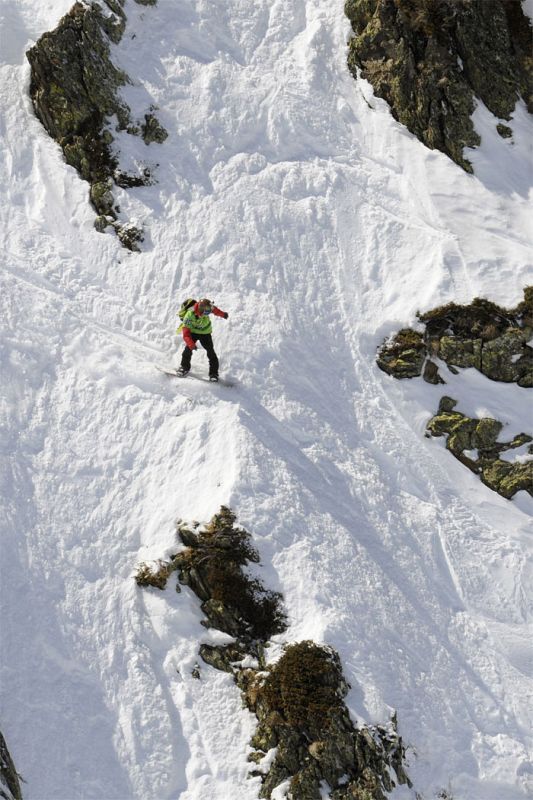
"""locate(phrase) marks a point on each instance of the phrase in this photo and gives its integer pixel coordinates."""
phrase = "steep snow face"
(289, 195)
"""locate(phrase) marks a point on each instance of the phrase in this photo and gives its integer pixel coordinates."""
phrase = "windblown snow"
(288, 194)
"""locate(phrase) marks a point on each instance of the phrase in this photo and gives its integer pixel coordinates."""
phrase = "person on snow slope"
(196, 327)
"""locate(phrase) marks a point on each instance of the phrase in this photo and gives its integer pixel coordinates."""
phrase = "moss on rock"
(429, 60)
(467, 434)
(74, 89)
(156, 574)
(403, 356)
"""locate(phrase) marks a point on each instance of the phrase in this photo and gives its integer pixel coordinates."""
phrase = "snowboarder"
(196, 327)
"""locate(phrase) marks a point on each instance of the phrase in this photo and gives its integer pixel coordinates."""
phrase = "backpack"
(185, 306)
(188, 303)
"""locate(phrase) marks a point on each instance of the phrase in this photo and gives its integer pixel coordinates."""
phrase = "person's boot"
(182, 372)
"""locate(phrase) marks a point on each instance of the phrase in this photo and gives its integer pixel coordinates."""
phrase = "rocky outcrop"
(213, 564)
(466, 436)
(299, 703)
(304, 731)
(486, 337)
(429, 60)
(9, 779)
(75, 92)
(403, 355)
(482, 335)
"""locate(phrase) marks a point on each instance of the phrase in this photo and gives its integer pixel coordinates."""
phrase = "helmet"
(205, 306)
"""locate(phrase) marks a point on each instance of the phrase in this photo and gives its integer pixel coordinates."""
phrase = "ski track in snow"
(322, 226)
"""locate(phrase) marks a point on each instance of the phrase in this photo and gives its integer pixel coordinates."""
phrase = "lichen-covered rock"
(486, 337)
(403, 356)
(485, 434)
(461, 352)
(102, 198)
(504, 130)
(429, 60)
(74, 84)
(9, 778)
(464, 433)
(508, 358)
(480, 335)
(508, 479)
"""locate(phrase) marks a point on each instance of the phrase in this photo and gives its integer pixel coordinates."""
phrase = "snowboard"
(173, 373)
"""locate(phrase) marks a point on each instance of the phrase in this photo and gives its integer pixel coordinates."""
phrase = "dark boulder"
(429, 60)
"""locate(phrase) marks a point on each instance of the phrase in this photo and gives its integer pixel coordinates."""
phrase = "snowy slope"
(288, 194)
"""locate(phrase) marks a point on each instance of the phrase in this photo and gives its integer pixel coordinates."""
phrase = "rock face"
(232, 601)
(74, 89)
(429, 60)
(9, 779)
(491, 339)
(466, 434)
(482, 335)
(299, 701)
(404, 355)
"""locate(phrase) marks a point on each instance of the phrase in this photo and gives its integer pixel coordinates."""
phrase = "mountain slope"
(321, 225)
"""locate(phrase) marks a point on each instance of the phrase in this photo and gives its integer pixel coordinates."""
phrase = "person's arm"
(219, 313)
(189, 341)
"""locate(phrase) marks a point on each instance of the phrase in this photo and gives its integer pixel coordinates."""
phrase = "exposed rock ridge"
(491, 339)
(9, 779)
(304, 733)
(483, 335)
(429, 59)
(299, 703)
(75, 92)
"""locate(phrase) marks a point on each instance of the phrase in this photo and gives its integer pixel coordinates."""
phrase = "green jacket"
(196, 324)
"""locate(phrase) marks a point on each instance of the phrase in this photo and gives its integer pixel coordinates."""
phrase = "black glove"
(226, 315)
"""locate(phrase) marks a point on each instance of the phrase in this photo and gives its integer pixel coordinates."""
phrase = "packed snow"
(288, 194)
